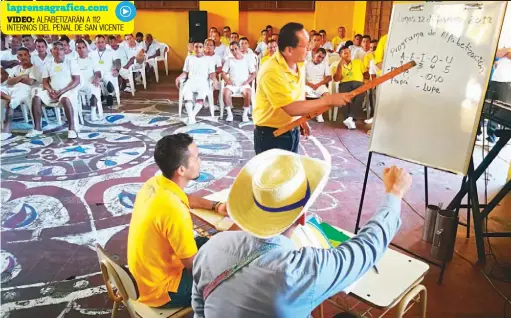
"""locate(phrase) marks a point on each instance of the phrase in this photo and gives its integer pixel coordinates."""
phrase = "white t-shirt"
(358, 54)
(315, 73)
(151, 50)
(87, 69)
(32, 72)
(60, 73)
(252, 58)
(328, 45)
(215, 60)
(104, 60)
(6, 55)
(261, 48)
(40, 64)
(238, 70)
(122, 54)
(221, 51)
(339, 46)
(198, 67)
(132, 51)
(502, 72)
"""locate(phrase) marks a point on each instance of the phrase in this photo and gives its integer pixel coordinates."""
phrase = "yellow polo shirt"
(277, 86)
(265, 58)
(336, 41)
(225, 41)
(367, 60)
(354, 71)
(380, 49)
(160, 235)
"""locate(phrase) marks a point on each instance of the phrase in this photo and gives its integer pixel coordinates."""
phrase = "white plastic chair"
(131, 78)
(164, 52)
(83, 100)
(221, 97)
(119, 277)
(25, 110)
(208, 101)
(333, 57)
(332, 87)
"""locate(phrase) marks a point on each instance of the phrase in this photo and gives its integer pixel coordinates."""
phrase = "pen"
(376, 269)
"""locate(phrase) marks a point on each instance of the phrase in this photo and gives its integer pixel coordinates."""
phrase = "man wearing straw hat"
(259, 272)
(280, 94)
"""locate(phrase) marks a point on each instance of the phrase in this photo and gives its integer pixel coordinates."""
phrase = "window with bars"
(277, 5)
(174, 5)
(378, 18)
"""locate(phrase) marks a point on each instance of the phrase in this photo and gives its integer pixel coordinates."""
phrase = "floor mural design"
(60, 197)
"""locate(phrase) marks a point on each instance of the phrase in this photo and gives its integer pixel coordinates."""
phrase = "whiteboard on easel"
(430, 114)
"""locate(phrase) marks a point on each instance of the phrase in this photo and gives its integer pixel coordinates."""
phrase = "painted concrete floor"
(60, 197)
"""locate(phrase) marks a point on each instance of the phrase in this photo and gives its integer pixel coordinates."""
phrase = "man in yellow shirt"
(350, 73)
(380, 51)
(161, 244)
(226, 38)
(340, 38)
(280, 94)
(272, 48)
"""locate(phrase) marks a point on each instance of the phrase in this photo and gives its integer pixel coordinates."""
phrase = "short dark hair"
(289, 37)
(322, 50)
(357, 35)
(235, 43)
(374, 41)
(171, 152)
(214, 28)
(227, 27)
(341, 27)
(139, 34)
(344, 47)
(244, 38)
(366, 36)
(80, 41)
(269, 26)
(316, 34)
(264, 30)
(271, 41)
(100, 36)
(207, 40)
(197, 41)
(111, 37)
(41, 41)
(348, 43)
(57, 43)
(234, 33)
(65, 38)
(23, 49)
(322, 31)
(26, 36)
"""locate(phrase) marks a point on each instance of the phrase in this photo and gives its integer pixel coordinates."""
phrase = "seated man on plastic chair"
(107, 61)
(238, 73)
(18, 87)
(135, 57)
(61, 79)
(197, 70)
(90, 77)
(152, 49)
(317, 77)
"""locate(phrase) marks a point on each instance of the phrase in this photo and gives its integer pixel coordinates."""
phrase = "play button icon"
(125, 11)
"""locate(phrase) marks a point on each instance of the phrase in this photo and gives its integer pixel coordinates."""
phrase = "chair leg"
(57, 115)
(45, 115)
(418, 290)
(115, 309)
(24, 110)
(180, 102)
(117, 94)
(166, 66)
(132, 84)
(330, 114)
(156, 73)
(221, 102)
(336, 109)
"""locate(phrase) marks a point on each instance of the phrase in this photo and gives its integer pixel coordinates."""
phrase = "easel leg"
(478, 222)
(468, 215)
(426, 196)
(363, 192)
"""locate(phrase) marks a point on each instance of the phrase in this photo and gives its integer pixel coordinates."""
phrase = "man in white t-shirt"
(498, 89)
(90, 80)
(61, 78)
(220, 48)
(238, 73)
(317, 77)
(28, 42)
(108, 63)
(327, 45)
(68, 50)
(18, 87)
(365, 47)
(9, 57)
(120, 50)
(197, 71)
(41, 58)
(247, 52)
(314, 46)
(262, 46)
(152, 50)
(135, 57)
(216, 61)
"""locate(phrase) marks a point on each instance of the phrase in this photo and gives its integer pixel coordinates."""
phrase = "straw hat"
(273, 190)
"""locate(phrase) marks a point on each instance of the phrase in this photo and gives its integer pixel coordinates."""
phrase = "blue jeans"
(265, 140)
(183, 296)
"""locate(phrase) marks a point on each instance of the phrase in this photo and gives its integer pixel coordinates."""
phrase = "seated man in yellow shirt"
(161, 244)
(340, 38)
(272, 48)
(351, 75)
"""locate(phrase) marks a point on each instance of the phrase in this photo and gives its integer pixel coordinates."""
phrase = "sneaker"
(71, 134)
(127, 89)
(230, 117)
(479, 138)
(5, 136)
(33, 133)
(347, 122)
(320, 119)
(352, 125)
(245, 118)
(369, 121)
